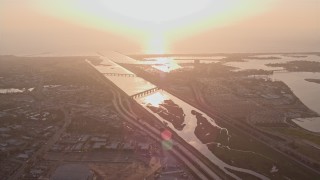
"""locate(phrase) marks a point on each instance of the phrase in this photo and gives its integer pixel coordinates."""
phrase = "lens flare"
(167, 144)
(166, 135)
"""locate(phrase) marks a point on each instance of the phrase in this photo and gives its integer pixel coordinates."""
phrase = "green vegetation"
(45, 70)
(309, 151)
(313, 80)
(298, 133)
(244, 159)
(243, 175)
(257, 162)
(304, 141)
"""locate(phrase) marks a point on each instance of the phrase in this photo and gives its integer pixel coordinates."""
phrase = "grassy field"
(298, 133)
(264, 159)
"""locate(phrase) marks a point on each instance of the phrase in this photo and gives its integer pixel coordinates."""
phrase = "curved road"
(154, 133)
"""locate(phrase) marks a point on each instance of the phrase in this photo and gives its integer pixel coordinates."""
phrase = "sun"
(156, 17)
(156, 11)
(156, 43)
(155, 24)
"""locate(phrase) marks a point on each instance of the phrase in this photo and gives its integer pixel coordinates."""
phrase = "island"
(298, 66)
(313, 80)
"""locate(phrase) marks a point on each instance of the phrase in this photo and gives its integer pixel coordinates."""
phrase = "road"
(45, 147)
(223, 118)
(155, 134)
(273, 145)
(197, 165)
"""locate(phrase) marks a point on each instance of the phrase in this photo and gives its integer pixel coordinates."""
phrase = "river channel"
(191, 124)
(307, 92)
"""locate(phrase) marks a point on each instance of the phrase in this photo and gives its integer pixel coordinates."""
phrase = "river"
(188, 119)
(307, 92)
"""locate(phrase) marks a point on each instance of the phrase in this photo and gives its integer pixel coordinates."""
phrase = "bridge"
(119, 74)
(280, 71)
(145, 93)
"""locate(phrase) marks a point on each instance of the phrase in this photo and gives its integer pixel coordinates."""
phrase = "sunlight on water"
(155, 99)
(164, 60)
(166, 64)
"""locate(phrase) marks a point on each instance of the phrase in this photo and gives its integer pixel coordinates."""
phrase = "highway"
(222, 117)
(203, 106)
(195, 164)
(203, 173)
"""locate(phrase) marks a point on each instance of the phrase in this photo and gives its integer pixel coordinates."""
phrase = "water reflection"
(166, 109)
(155, 99)
(130, 85)
(209, 134)
(171, 112)
(177, 113)
(166, 64)
(10, 90)
(199, 130)
(306, 91)
(262, 61)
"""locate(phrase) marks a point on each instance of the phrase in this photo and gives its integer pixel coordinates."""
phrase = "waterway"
(131, 85)
(10, 90)
(187, 121)
(167, 64)
(262, 63)
(307, 92)
(14, 90)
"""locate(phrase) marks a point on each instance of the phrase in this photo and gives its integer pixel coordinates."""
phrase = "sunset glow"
(166, 26)
(159, 89)
(166, 64)
(156, 23)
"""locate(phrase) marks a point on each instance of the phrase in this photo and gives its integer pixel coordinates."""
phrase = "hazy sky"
(159, 26)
